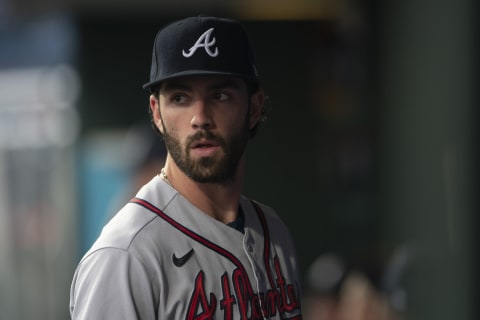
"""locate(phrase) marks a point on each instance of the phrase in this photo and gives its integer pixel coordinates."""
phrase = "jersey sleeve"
(112, 284)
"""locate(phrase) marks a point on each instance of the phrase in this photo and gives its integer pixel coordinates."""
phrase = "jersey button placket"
(249, 247)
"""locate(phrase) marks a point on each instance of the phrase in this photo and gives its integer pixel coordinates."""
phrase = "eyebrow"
(220, 84)
(225, 84)
(172, 86)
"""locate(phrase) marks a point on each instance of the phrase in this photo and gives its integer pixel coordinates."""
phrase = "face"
(205, 122)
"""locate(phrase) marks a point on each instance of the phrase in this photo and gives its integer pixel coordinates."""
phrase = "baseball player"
(189, 245)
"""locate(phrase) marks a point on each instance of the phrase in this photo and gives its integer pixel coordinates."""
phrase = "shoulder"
(260, 216)
(263, 211)
(133, 220)
(123, 228)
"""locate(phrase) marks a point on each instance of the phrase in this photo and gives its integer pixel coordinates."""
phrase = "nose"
(202, 118)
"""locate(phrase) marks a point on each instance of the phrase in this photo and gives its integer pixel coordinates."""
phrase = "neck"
(218, 200)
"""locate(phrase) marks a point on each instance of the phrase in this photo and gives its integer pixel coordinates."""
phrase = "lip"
(204, 148)
(204, 143)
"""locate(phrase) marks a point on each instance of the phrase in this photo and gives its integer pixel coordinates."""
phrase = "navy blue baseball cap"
(202, 46)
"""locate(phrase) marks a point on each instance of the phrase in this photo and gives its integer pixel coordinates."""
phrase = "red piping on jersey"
(266, 252)
(195, 236)
(266, 234)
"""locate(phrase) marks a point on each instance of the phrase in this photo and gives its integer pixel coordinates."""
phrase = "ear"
(155, 111)
(257, 101)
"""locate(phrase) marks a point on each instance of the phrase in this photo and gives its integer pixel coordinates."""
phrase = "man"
(189, 245)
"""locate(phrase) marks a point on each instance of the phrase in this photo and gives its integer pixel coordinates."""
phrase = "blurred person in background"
(190, 245)
(338, 292)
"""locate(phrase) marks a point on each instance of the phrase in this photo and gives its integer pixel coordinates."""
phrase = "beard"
(218, 168)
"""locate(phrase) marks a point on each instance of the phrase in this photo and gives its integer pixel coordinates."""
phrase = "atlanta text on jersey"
(238, 293)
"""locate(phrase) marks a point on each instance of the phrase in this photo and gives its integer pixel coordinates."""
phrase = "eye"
(178, 98)
(222, 96)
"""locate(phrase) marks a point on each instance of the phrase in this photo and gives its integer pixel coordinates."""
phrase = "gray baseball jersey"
(160, 257)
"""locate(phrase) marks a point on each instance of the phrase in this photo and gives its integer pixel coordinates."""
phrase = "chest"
(202, 279)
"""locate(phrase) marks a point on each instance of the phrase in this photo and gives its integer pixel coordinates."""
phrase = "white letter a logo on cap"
(205, 42)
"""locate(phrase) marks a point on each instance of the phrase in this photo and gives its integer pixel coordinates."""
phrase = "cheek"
(172, 126)
(236, 128)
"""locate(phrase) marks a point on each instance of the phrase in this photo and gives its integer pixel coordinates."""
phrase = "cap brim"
(151, 84)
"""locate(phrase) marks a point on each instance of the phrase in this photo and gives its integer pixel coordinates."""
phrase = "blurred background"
(369, 153)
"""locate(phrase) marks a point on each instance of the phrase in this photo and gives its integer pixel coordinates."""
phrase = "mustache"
(205, 134)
